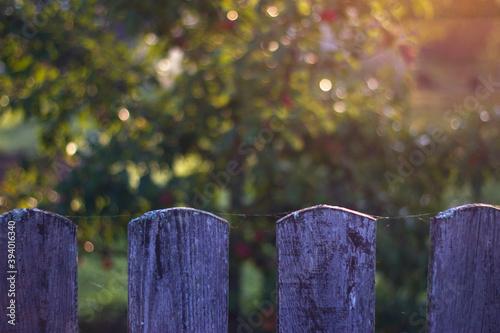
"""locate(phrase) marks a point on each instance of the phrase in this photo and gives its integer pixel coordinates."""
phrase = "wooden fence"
(178, 271)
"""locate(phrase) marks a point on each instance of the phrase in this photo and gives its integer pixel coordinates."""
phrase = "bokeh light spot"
(285, 40)
(53, 196)
(325, 85)
(88, 246)
(485, 116)
(4, 101)
(71, 148)
(232, 15)
(164, 65)
(372, 83)
(311, 58)
(273, 11)
(339, 107)
(273, 46)
(341, 92)
(30, 82)
(32, 202)
(455, 124)
(151, 39)
(123, 114)
(397, 126)
(75, 205)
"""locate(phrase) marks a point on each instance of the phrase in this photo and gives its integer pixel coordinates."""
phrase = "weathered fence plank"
(326, 271)
(464, 270)
(38, 287)
(178, 272)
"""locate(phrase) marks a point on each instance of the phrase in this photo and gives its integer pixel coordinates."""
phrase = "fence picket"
(464, 270)
(44, 291)
(326, 271)
(178, 272)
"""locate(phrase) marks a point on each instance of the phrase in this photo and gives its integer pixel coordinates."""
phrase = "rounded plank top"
(45, 271)
(326, 270)
(464, 270)
(450, 213)
(175, 210)
(316, 208)
(178, 272)
(21, 213)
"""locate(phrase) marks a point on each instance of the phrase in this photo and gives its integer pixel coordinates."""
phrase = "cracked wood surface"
(46, 291)
(178, 272)
(464, 270)
(326, 271)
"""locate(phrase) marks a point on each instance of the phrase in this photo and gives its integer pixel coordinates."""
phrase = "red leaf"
(329, 15)
(227, 25)
(243, 251)
(408, 54)
(165, 198)
(287, 100)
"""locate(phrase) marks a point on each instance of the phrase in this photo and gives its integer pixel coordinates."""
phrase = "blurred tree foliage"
(234, 107)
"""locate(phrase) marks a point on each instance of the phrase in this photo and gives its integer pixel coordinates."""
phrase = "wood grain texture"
(46, 295)
(464, 270)
(326, 271)
(178, 272)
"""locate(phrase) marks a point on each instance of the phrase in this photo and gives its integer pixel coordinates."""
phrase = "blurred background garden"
(249, 109)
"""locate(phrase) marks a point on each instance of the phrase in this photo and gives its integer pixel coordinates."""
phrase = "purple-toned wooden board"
(178, 272)
(326, 271)
(43, 279)
(464, 270)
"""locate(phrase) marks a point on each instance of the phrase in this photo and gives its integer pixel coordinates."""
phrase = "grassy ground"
(102, 293)
(17, 135)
